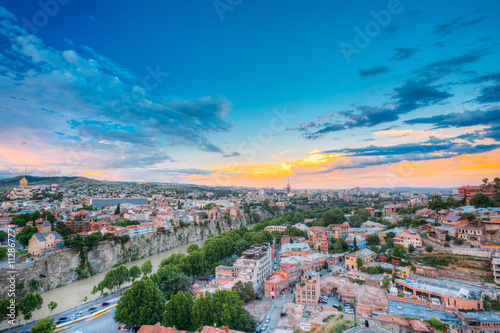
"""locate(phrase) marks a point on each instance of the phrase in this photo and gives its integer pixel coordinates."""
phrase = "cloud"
(466, 118)
(102, 113)
(373, 71)
(438, 69)
(403, 53)
(232, 154)
(456, 24)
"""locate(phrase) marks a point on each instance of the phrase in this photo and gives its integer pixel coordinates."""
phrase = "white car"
(264, 327)
(267, 320)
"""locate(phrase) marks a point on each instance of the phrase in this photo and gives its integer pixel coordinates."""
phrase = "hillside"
(8, 183)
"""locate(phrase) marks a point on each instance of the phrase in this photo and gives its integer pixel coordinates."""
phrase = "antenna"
(25, 170)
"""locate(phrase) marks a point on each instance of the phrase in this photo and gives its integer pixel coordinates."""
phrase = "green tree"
(92, 239)
(193, 247)
(3, 252)
(170, 279)
(134, 272)
(223, 308)
(52, 305)
(359, 262)
(76, 242)
(45, 325)
(117, 210)
(178, 311)
(447, 238)
(373, 240)
(194, 264)
(245, 291)
(30, 303)
(147, 267)
(325, 265)
(141, 304)
(3, 236)
(338, 247)
(398, 251)
(114, 278)
(411, 248)
(481, 200)
(333, 216)
(429, 248)
(355, 244)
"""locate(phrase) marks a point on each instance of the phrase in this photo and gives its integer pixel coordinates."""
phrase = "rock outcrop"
(60, 268)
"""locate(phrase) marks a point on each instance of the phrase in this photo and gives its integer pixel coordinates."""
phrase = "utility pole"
(354, 308)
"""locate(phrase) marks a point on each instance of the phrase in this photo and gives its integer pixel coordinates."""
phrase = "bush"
(429, 248)
(458, 241)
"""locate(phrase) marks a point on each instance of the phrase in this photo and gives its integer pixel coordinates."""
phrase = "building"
(480, 322)
(279, 228)
(366, 255)
(140, 229)
(157, 328)
(470, 190)
(281, 280)
(471, 234)
(308, 290)
(340, 231)
(408, 237)
(212, 329)
(495, 263)
(23, 191)
(440, 294)
(360, 241)
(295, 249)
(318, 238)
(45, 240)
(455, 221)
(100, 203)
(254, 266)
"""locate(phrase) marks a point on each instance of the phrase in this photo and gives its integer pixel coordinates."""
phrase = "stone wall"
(59, 268)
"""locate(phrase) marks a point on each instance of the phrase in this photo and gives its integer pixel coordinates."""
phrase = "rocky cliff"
(60, 268)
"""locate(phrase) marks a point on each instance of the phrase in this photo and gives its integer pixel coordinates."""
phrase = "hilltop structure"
(23, 191)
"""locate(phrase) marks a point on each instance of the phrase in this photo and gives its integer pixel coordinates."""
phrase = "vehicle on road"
(367, 324)
(267, 319)
(264, 327)
(106, 303)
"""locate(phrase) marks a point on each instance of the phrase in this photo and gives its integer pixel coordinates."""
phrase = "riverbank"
(71, 295)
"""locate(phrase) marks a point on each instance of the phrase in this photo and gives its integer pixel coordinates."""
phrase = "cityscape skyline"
(387, 94)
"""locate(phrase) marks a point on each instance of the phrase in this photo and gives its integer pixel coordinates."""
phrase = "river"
(71, 295)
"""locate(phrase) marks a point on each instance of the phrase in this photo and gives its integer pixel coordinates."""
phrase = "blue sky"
(250, 92)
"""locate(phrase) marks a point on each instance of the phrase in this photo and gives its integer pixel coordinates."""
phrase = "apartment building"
(339, 231)
(408, 237)
(308, 290)
(254, 266)
(439, 294)
(366, 255)
(471, 234)
(495, 263)
(141, 229)
(279, 228)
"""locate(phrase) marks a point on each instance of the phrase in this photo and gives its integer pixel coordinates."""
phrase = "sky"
(324, 94)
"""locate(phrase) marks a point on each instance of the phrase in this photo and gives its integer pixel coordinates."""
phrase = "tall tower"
(24, 182)
(288, 187)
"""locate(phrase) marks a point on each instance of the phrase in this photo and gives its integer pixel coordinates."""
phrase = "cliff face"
(60, 268)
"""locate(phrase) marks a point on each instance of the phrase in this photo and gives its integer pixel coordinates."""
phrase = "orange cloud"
(448, 172)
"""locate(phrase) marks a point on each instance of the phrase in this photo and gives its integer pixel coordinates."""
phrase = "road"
(87, 323)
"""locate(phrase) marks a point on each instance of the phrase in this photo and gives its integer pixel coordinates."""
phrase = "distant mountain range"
(34, 180)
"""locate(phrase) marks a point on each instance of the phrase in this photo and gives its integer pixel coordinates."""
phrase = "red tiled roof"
(157, 328)
(210, 329)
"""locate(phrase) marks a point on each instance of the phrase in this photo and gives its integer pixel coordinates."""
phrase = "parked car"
(367, 324)
(267, 319)
(264, 327)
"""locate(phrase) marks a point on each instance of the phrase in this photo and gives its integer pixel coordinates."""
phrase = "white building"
(254, 266)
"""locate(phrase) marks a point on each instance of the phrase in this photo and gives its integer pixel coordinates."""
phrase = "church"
(23, 191)
(45, 240)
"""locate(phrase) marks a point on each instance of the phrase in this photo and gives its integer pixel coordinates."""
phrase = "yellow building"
(23, 191)
(367, 256)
